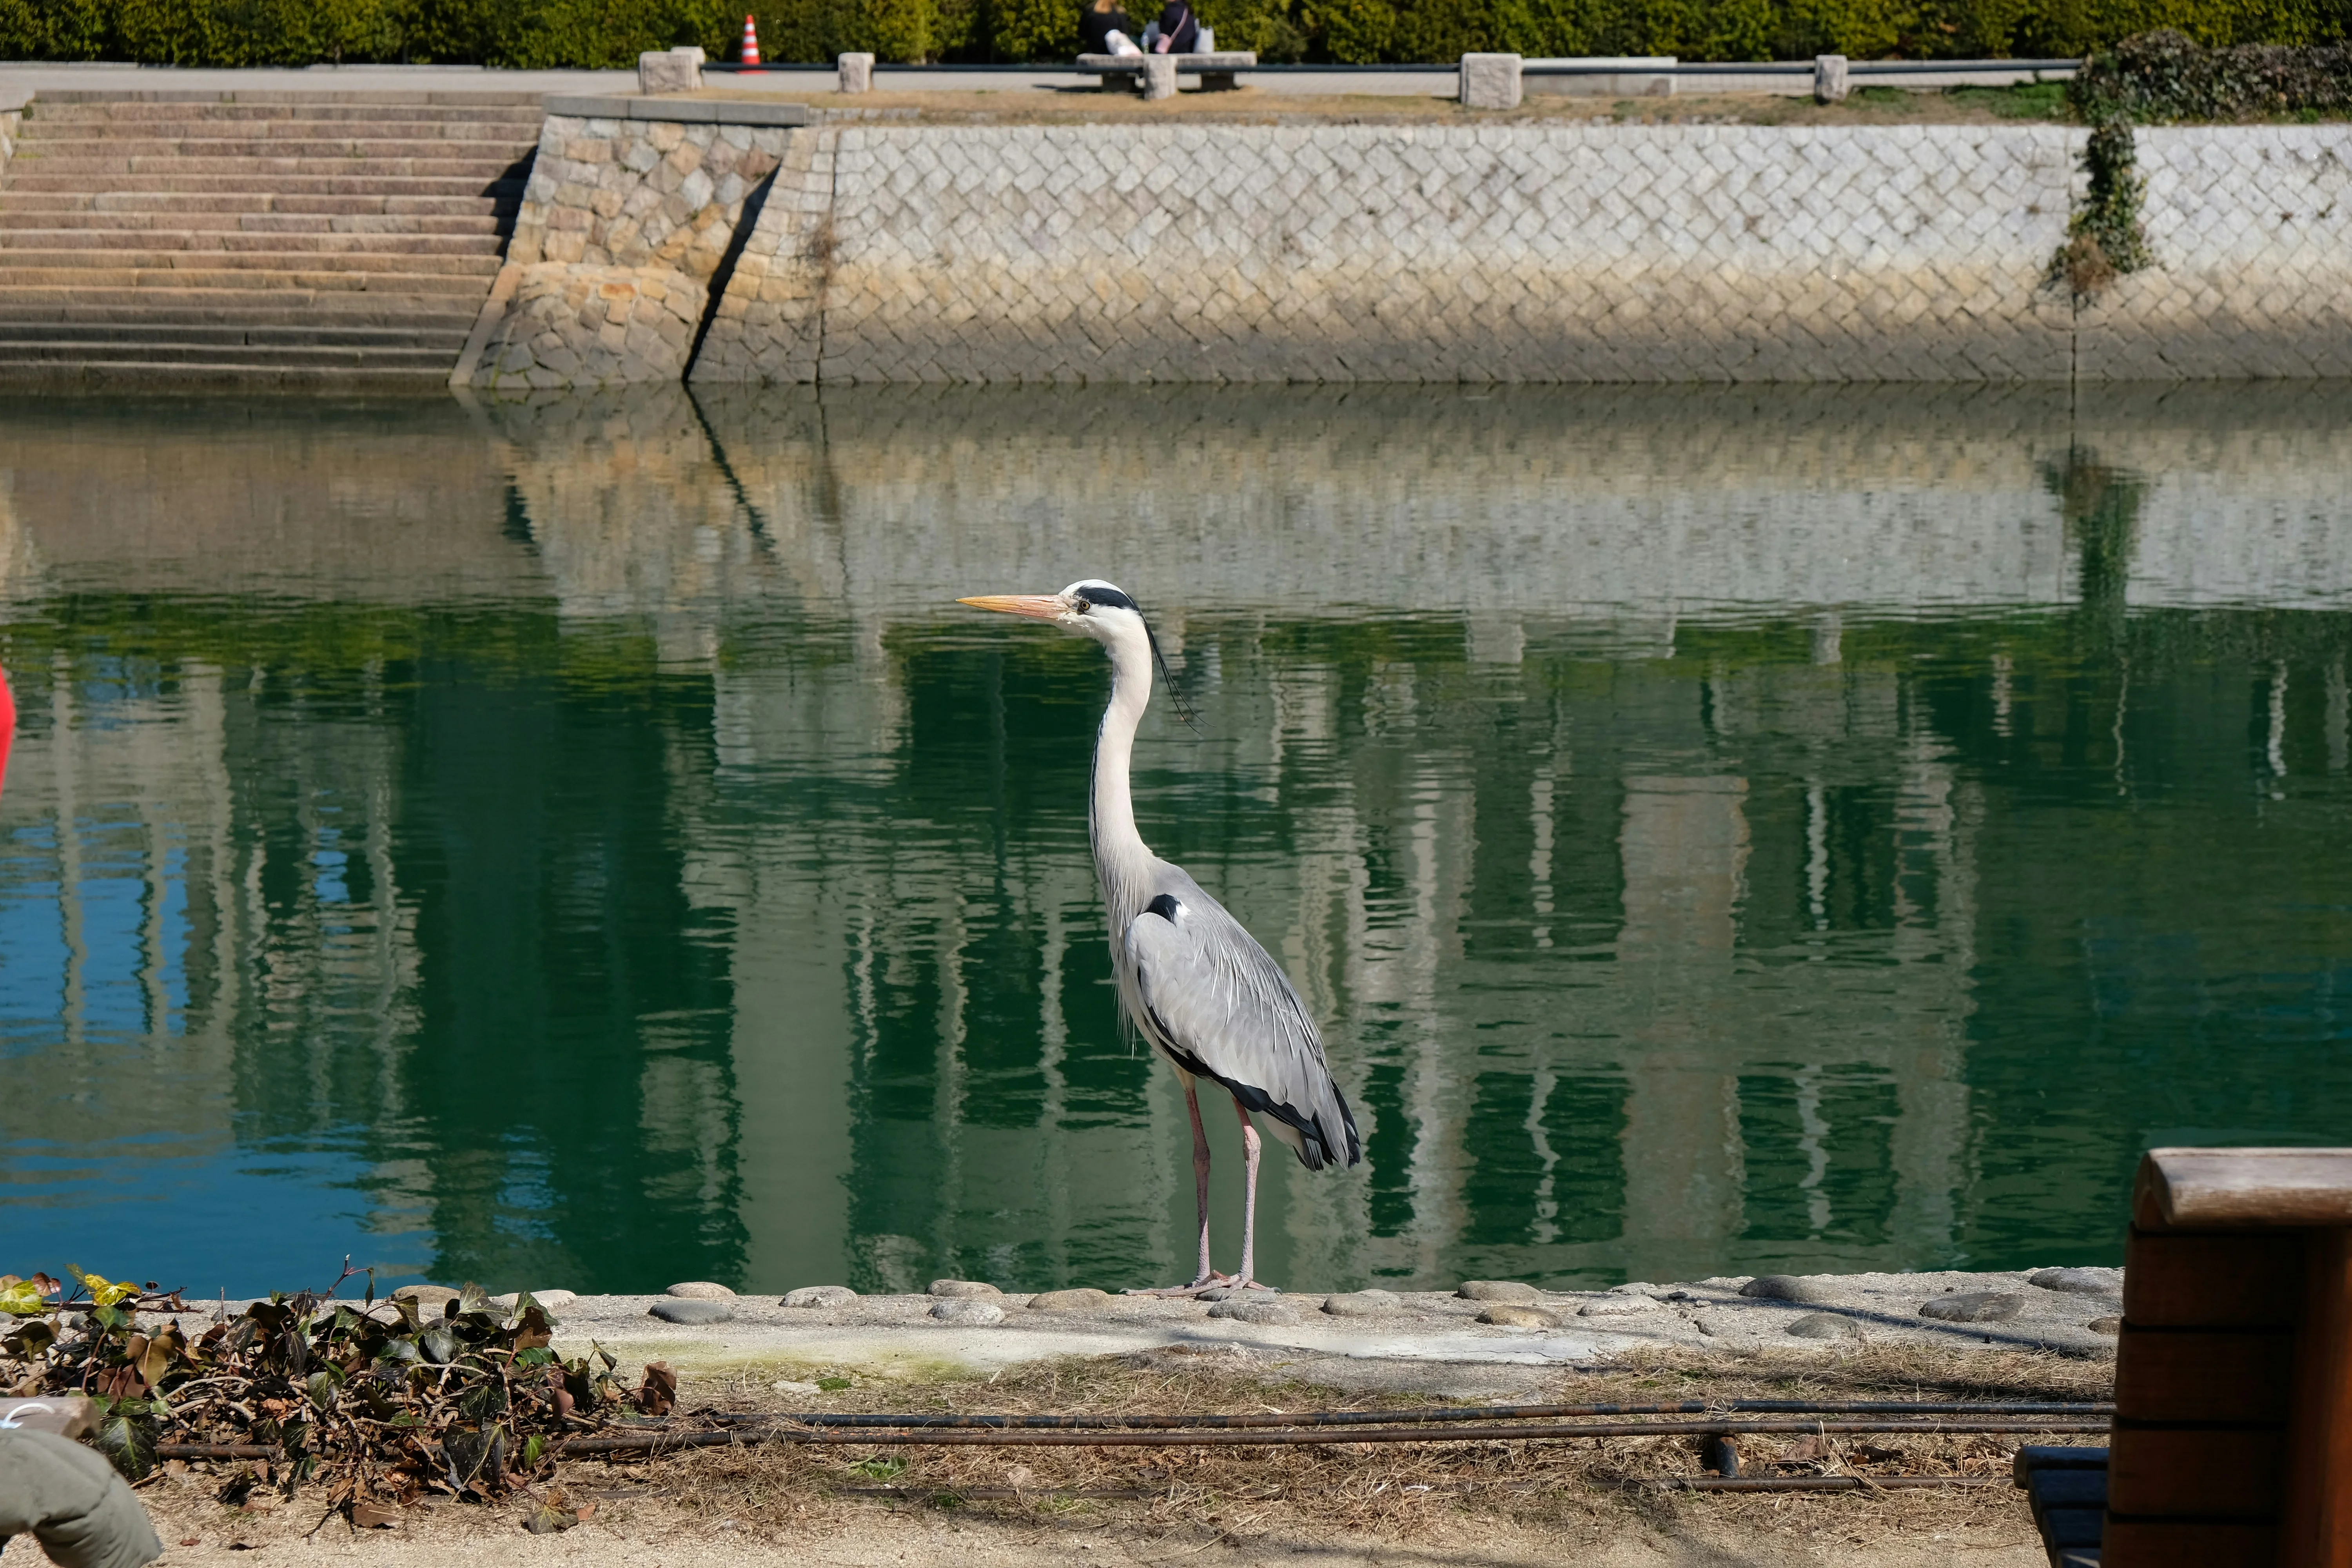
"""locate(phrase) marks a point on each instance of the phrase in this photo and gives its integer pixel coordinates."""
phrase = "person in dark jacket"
(1178, 31)
(1104, 27)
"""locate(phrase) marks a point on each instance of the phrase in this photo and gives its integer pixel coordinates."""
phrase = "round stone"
(1973, 1307)
(1081, 1298)
(1615, 1306)
(1823, 1326)
(1781, 1288)
(1362, 1304)
(2079, 1281)
(820, 1296)
(549, 1301)
(700, 1291)
(691, 1311)
(1511, 1315)
(963, 1290)
(2105, 1325)
(1511, 1291)
(1244, 1311)
(432, 1295)
(967, 1311)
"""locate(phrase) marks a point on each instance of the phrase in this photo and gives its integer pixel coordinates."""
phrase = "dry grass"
(1391, 1490)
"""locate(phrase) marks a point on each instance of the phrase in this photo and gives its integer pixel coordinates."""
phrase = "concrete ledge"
(690, 111)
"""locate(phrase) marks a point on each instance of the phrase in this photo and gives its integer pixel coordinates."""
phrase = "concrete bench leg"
(1158, 77)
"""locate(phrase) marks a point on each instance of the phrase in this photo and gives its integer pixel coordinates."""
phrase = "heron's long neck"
(1112, 814)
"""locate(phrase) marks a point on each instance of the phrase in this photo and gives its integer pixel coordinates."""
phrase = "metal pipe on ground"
(1441, 1413)
(648, 1442)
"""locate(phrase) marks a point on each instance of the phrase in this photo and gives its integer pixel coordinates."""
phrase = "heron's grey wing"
(1223, 1008)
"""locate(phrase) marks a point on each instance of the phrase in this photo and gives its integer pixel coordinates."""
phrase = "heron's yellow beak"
(1036, 607)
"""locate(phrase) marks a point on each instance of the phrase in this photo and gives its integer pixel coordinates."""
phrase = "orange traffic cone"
(751, 43)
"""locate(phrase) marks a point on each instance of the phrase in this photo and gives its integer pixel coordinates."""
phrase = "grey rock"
(2079, 1281)
(692, 1312)
(700, 1291)
(1782, 1287)
(1825, 1326)
(1828, 79)
(1615, 1306)
(1499, 1291)
(1490, 81)
(1362, 1304)
(1244, 1311)
(672, 70)
(964, 1289)
(1081, 1298)
(1248, 1293)
(1973, 1307)
(821, 1296)
(549, 1301)
(967, 1310)
(1516, 1315)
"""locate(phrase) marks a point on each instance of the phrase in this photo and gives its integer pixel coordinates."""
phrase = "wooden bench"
(2232, 1440)
(1216, 72)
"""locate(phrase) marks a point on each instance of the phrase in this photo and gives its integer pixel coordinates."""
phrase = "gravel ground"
(1426, 1340)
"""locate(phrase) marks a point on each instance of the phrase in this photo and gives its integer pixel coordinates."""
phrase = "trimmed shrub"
(2164, 75)
(609, 33)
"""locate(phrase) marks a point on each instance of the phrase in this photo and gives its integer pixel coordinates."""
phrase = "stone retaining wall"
(622, 228)
(1445, 253)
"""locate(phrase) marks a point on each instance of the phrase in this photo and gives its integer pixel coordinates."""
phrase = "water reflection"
(581, 844)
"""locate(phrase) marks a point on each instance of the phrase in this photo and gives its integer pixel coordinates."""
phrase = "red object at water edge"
(751, 43)
(8, 724)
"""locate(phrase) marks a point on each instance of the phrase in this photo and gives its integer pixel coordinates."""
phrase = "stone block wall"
(623, 226)
(1541, 253)
(769, 325)
(1358, 253)
(2252, 227)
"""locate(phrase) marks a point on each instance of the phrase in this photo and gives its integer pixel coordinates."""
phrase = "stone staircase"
(319, 238)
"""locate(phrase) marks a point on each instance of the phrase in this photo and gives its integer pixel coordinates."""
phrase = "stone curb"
(692, 111)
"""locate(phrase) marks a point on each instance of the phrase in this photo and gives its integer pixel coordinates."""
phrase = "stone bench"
(2233, 1437)
(1215, 70)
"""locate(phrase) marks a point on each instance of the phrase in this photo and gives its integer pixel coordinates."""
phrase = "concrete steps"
(327, 240)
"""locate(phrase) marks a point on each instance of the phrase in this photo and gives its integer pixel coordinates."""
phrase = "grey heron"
(1191, 979)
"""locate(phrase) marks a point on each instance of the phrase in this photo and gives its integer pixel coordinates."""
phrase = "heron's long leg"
(1201, 1179)
(1208, 1277)
(1248, 1276)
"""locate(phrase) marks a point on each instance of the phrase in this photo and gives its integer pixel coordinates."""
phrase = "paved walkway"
(17, 80)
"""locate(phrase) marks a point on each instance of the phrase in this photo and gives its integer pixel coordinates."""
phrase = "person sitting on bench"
(1104, 30)
(1178, 31)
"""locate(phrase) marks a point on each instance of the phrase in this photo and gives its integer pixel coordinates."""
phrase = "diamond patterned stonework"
(1500, 252)
(2251, 227)
(1384, 253)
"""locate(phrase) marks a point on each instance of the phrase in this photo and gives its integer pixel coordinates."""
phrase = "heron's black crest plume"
(1108, 597)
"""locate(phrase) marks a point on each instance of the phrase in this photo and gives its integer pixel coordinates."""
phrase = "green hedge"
(544, 33)
(2164, 76)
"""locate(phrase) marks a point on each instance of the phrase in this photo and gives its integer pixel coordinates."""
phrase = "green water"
(585, 845)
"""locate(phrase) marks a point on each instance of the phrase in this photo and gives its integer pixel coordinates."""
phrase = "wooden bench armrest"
(2228, 1189)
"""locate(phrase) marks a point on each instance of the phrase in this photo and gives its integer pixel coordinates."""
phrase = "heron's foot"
(1211, 1282)
(1253, 1285)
